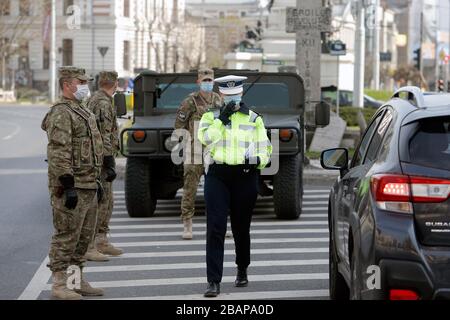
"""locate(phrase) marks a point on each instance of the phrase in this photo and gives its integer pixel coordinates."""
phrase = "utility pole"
(376, 48)
(52, 84)
(360, 45)
(4, 64)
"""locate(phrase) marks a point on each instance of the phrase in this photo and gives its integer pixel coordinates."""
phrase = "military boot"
(105, 247)
(187, 232)
(59, 287)
(93, 255)
(87, 290)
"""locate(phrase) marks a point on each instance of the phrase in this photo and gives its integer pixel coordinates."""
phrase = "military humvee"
(150, 173)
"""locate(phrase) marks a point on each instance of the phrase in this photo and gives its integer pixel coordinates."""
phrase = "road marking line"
(203, 225)
(201, 233)
(313, 203)
(316, 191)
(201, 265)
(7, 172)
(231, 252)
(16, 131)
(227, 240)
(255, 295)
(196, 219)
(316, 196)
(37, 283)
(196, 280)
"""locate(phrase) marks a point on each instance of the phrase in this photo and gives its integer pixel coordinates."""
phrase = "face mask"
(82, 92)
(236, 98)
(206, 86)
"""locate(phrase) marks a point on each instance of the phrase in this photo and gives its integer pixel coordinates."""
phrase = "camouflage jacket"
(74, 144)
(191, 111)
(102, 106)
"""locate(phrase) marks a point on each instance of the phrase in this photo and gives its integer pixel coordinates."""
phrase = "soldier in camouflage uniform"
(189, 115)
(101, 104)
(75, 156)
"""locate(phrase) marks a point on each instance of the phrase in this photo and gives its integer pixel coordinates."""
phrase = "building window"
(46, 59)
(126, 55)
(67, 52)
(24, 8)
(66, 6)
(243, 14)
(126, 8)
(221, 15)
(5, 7)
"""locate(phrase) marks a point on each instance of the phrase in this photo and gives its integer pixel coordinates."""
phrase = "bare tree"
(15, 29)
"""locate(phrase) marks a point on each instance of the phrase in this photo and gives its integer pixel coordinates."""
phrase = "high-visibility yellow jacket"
(245, 137)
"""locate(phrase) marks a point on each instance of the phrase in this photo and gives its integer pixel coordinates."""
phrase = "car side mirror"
(322, 114)
(120, 102)
(334, 159)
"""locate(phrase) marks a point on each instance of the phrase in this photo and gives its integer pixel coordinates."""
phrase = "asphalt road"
(289, 258)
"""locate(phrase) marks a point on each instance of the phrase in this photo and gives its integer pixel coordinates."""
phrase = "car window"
(378, 136)
(430, 144)
(362, 148)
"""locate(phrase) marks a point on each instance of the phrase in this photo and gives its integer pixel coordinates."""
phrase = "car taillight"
(429, 190)
(400, 294)
(398, 192)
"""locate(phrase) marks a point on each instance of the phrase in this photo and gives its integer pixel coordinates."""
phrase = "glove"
(109, 164)
(226, 113)
(70, 192)
(100, 191)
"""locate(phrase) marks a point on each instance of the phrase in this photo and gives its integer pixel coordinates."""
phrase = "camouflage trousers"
(192, 175)
(105, 208)
(74, 229)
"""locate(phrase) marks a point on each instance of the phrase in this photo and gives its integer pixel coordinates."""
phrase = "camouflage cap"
(205, 74)
(73, 72)
(109, 76)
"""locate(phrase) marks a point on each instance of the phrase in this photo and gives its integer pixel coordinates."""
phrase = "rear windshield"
(261, 95)
(430, 145)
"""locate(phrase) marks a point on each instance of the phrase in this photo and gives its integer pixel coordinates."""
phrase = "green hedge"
(381, 95)
(350, 114)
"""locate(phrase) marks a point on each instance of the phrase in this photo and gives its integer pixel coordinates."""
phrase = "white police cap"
(231, 85)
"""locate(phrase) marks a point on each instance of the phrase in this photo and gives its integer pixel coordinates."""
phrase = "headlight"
(170, 144)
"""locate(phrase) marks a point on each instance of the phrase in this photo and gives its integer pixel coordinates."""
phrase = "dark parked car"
(346, 98)
(389, 211)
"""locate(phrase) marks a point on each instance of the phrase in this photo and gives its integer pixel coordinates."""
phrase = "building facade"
(124, 35)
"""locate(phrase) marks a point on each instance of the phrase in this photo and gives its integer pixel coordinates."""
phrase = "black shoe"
(213, 290)
(241, 278)
(264, 190)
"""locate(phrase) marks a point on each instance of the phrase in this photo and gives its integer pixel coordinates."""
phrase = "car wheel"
(138, 194)
(337, 285)
(288, 188)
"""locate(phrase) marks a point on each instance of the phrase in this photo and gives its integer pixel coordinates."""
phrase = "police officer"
(75, 156)
(101, 104)
(236, 140)
(190, 113)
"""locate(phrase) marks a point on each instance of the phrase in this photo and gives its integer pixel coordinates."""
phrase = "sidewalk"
(312, 173)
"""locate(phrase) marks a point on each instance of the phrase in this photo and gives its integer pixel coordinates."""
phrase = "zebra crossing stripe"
(201, 265)
(227, 252)
(202, 242)
(198, 280)
(256, 295)
(200, 233)
(203, 225)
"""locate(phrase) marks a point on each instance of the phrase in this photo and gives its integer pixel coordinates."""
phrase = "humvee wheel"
(138, 195)
(288, 188)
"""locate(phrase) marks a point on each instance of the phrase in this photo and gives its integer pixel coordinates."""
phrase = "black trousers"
(228, 189)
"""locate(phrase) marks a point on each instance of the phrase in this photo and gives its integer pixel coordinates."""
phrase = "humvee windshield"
(261, 95)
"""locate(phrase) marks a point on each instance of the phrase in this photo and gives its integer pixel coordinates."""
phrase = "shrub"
(350, 115)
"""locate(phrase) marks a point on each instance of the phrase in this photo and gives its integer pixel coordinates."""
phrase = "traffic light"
(440, 85)
(417, 58)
